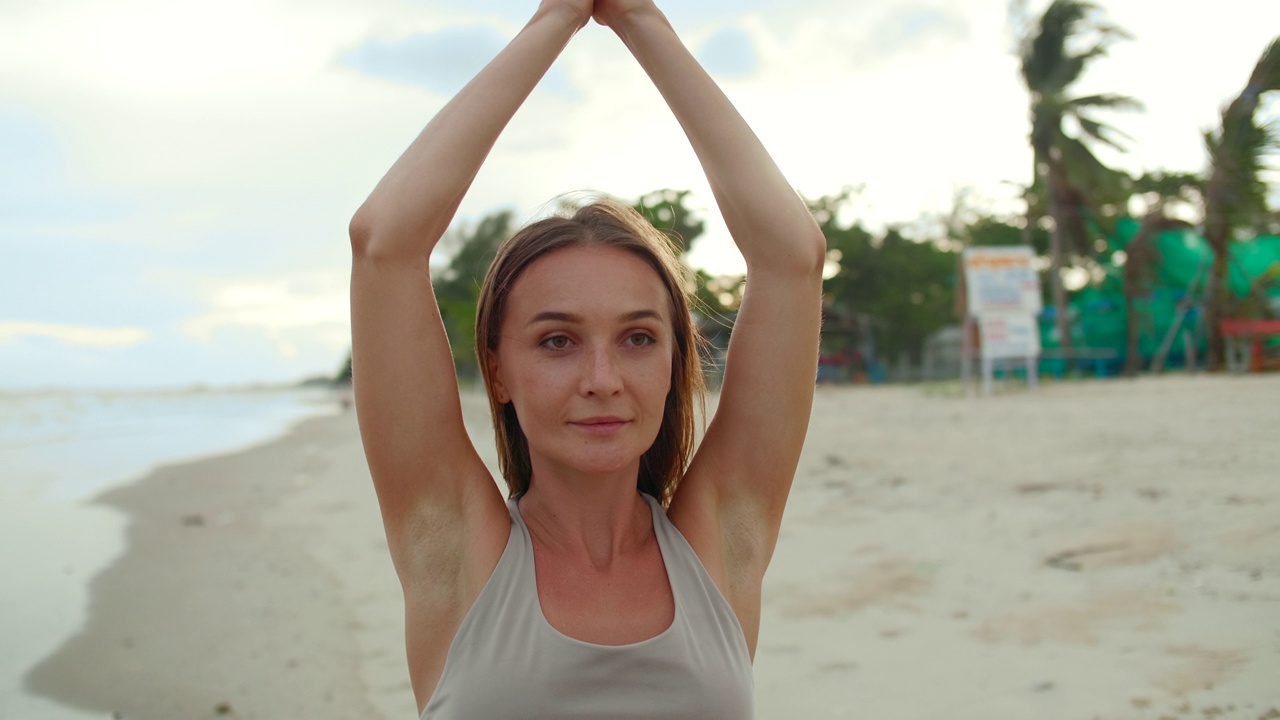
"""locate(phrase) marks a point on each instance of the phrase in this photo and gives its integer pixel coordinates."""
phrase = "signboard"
(1009, 335)
(1002, 297)
(1001, 280)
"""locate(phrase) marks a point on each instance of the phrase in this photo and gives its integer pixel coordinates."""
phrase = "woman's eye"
(640, 339)
(556, 342)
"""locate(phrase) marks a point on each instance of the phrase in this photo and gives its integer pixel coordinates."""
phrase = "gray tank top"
(506, 661)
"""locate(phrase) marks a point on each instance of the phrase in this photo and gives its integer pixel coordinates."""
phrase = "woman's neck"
(595, 519)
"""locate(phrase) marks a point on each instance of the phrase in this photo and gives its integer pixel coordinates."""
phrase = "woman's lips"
(600, 425)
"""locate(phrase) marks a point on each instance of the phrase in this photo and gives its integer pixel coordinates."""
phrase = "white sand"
(1092, 550)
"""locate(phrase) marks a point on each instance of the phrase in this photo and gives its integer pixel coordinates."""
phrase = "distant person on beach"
(623, 576)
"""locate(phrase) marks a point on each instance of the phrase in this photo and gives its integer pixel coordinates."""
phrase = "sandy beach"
(1093, 549)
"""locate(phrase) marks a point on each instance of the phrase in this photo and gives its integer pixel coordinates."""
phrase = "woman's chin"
(603, 465)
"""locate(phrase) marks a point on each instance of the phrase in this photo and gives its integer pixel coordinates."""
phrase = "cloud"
(911, 26)
(41, 192)
(689, 15)
(275, 307)
(28, 147)
(513, 11)
(684, 15)
(74, 334)
(441, 62)
(729, 53)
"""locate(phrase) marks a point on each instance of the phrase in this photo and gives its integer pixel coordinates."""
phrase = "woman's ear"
(496, 385)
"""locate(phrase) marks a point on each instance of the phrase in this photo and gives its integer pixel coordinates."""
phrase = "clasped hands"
(605, 12)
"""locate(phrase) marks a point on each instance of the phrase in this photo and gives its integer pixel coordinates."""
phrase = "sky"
(176, 178)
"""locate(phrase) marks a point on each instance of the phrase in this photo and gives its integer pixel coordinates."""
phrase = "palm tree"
(1068, 177)
(1235, 194)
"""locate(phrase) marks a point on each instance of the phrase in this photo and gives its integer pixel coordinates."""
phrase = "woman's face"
(585, 357)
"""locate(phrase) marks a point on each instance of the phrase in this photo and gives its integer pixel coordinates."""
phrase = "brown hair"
(603, 222)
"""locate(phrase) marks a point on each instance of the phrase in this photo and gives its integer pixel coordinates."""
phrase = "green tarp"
(1182, 264)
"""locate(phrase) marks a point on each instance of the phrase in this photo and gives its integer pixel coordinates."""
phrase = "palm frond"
(1109, 101)
(1105, 185)
(1266, 74)
(1238, 124)
(1049, 62)
(1102, 133)
(1097, 50)
(1170, 185)
(1044, 49)
(1113, 32)
(1237, 149)
(1238, 158)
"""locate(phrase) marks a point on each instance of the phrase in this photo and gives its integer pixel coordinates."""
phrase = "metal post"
(966, 353)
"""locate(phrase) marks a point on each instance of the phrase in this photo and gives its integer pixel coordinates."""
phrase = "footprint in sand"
(1132, 543)
(889, 581)
(1079, 623)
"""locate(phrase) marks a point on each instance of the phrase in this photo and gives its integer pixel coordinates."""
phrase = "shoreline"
(912, 577)
(212, 591)
(60, 450)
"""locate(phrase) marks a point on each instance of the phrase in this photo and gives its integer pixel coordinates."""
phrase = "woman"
(580, 596)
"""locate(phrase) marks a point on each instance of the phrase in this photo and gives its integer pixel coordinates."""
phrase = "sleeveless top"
(507, 661)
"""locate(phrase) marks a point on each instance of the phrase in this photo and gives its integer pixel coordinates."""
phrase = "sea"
(58, 451)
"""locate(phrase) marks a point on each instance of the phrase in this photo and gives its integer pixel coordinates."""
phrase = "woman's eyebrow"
(565, 317)
(641, 315)
(554, 316)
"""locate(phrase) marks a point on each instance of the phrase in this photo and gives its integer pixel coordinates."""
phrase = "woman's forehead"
(588, 281)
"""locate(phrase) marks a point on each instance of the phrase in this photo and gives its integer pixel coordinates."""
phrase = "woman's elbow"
(373, 238)
(360, 230)
(810, 253)
(817, 244)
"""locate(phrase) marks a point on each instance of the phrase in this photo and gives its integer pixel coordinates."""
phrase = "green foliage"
(1235, 195)
(1237, 150)
(1068, 37)
(667, 210)
(988, 230)
(1166, 186)
(904, 287)
(457, 286)
(344, 375)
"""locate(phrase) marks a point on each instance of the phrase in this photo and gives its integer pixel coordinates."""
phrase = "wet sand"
(1103, 549)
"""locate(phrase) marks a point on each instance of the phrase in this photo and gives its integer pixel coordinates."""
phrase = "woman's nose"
(602, 375)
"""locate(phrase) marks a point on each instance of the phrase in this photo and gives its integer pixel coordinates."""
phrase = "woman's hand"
(579, 10)
(611, 13)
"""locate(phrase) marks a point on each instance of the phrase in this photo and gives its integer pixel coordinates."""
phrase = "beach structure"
(1169, 308)
(1166, 276)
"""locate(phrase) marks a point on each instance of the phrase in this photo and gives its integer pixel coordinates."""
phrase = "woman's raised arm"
(733, 495)
(431, 484)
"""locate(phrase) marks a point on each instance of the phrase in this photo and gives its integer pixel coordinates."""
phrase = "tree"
(1235, 195)
(457, 285)
(669, 212)
(904, 287)
(344, 375)
(1068, 177)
